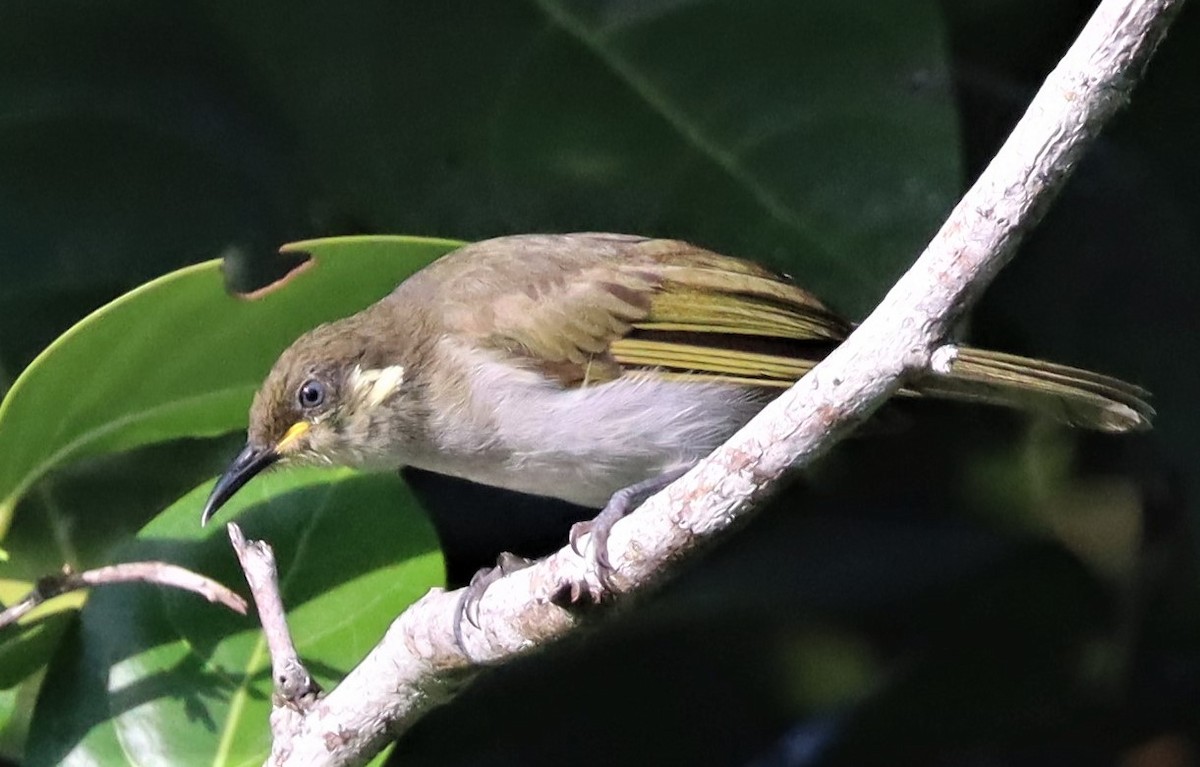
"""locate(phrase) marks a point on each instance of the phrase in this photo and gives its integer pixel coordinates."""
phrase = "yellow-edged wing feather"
(589, 308)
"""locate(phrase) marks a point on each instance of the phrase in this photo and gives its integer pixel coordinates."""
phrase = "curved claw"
(597, 550)
(468, 604)
(578, 530)
(622, 502)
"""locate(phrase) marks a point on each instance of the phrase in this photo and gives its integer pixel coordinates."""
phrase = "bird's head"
(328, 400)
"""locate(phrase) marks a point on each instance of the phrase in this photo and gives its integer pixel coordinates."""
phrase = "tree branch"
(294, 686)
(161, 573)
(418, 665)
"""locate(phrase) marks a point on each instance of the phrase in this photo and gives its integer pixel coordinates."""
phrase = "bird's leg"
(622, 502)
(468, 603)
(619, 505)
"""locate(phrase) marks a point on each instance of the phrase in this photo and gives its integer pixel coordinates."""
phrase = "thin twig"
(160, 573)
(418, 665)
(294, 686)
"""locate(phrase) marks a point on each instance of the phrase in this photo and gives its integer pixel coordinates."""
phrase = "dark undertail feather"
(1070, 395)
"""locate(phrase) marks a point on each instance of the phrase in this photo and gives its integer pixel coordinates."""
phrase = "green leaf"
(76, 515)
(821, 137)
(160, 676)
(26, 648)
(8, 706)
(28, 645)
(813, 135)
(180, 357)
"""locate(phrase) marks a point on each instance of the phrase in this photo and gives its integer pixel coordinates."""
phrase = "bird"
(590, 367)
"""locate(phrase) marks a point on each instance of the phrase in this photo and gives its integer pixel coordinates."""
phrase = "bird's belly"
(583, 445)
(558, 476)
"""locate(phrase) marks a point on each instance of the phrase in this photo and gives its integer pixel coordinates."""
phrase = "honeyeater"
(591, 367)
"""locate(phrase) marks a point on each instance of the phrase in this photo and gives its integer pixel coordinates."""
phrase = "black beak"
(248, 463)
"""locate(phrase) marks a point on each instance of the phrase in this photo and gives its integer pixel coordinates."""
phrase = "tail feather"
(1077, 397)
(1071, 395)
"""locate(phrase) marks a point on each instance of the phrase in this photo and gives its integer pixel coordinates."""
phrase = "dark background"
(956, 587)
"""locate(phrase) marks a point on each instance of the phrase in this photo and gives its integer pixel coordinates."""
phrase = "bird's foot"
(468, 603)
(598, 528)
(622, 502)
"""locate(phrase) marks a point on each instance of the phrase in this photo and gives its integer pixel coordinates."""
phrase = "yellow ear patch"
(372, 387)
(294, 432)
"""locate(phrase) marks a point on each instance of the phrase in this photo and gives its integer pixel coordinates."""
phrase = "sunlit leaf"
(180, 357)
(162, 676)
(26, 646)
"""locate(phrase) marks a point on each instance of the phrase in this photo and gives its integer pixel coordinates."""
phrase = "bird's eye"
(311, 393)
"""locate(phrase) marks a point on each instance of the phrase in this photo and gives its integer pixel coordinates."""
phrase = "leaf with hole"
(181, 357)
